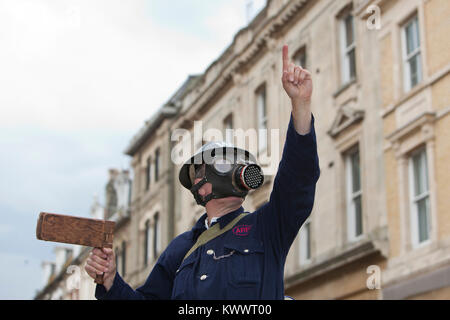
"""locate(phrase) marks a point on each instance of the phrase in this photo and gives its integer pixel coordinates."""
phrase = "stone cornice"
(372, 244)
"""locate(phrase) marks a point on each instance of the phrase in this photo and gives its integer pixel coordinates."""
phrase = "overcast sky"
(77, 81)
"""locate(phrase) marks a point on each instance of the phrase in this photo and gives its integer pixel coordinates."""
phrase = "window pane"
(420, 173)
(300, 58)
(415, 33)
(124, 258)
(414, 70)
(305, 242)
(424, 170)
(352, 63)
(412, 36)
(308, 240)
(262, 119)
(156, 235)
(228, 126)
(146, 242)
(358, 216)
(349, 30)
(412, 64)
(157, 165)
(117, 254)
(262, 109)
(303, 60)
(422, 211)
(148, 173)
(409, 38)
(417, 182)
(356, 183)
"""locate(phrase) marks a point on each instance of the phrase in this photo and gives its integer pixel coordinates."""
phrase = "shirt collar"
(214, 219)
(200, 226)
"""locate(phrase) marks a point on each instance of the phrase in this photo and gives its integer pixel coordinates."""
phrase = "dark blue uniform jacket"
(246, 262)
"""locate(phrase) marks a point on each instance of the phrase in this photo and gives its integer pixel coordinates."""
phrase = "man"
(238, 256)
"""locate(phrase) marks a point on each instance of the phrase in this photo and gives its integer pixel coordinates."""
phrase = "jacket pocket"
(245, 265)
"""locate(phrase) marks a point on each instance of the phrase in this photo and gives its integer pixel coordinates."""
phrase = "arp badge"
(242, 230)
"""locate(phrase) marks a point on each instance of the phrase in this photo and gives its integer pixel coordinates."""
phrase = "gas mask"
(228, 179)
(231, 171)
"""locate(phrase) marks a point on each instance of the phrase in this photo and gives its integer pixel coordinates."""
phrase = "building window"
(130, 192)
(156, 164)
(412, 66)
(348, 48)
(148, 173)
(305, 243)
(156, 235)
(147, 240)
(262, 118)
(354, 195)
(124, 257)
(420, 197)
(118, 259)
(228, 127)
(300, 58)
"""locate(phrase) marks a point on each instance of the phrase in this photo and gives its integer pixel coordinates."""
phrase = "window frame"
(345, 49)
(262, 121)
(227, 125)
(305, 236)
(147, 242)
(406, 58)
(352, 195)
(300, 57)
(157, 163)
(148, 173)
(156, 245)
(123, 256)
(118, 258)
(414, 199)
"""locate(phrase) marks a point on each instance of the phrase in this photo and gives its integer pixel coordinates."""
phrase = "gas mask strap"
(198, 185)
(198, 198)
(208, 197)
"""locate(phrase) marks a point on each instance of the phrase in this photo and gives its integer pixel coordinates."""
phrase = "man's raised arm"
(292, 196)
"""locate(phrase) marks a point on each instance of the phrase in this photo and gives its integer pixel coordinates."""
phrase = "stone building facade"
(379, 228)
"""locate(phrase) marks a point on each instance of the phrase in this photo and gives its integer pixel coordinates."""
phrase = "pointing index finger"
(285, 57)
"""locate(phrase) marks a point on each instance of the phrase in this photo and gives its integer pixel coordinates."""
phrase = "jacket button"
(203, 277)
(210, 252)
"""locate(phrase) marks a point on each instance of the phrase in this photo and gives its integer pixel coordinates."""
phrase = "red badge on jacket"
(242, 230)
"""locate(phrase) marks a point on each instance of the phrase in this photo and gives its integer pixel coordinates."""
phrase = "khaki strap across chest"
(213, 233)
